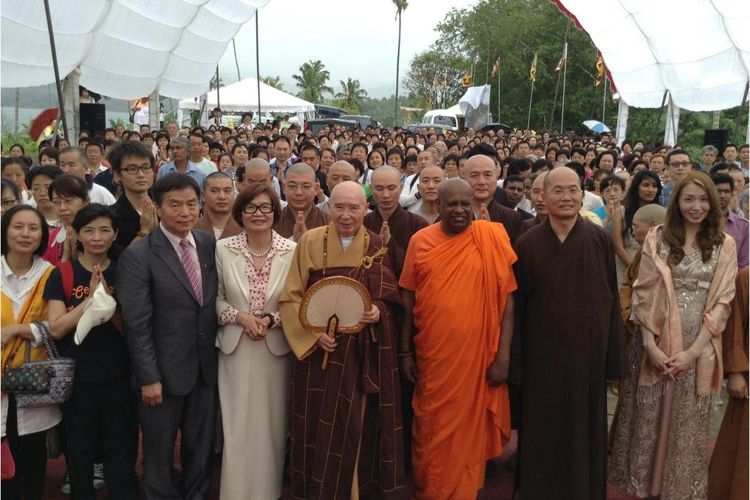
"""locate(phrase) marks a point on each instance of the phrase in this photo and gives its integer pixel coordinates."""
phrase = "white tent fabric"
(125, 48)
(243, 96)
(698, 50)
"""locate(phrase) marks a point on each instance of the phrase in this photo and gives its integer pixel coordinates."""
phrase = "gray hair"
(180, 141)
(710, 149)
(742, 199)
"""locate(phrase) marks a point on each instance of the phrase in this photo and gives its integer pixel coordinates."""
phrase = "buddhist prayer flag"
(466, 80)
(532, 71)
(496, 67)
(599, 71)
(560, 63)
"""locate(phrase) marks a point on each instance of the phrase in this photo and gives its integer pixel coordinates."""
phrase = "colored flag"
(466, 80)
(496, 67)
(532, 71)
(599, 71)
(560, 64)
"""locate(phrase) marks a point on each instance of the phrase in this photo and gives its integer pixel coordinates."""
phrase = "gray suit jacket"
(170, 336)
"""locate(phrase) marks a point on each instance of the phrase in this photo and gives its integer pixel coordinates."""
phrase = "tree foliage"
(351, 94)
(435, 77)
(312, 79)
(273, 81)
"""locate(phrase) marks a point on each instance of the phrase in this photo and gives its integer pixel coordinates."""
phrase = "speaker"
(717, 137)
(93, 118)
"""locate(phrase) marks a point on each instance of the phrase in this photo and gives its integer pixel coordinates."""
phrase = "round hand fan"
(334, 305)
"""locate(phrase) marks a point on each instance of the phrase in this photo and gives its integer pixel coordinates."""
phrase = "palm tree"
(351, 93)
(401, 5)
(312, 80)
(273, 81)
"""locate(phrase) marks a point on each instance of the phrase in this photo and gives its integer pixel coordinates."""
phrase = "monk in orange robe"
(455, 343)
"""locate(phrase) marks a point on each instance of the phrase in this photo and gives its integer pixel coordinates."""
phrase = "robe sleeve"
(734, 339)
(302, 342)
(616, 367)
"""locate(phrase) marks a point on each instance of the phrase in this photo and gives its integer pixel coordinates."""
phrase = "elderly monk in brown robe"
(570, 345)
(727, 474)
(481, 173)
(218, 198)
(345, 420)
(300, 214)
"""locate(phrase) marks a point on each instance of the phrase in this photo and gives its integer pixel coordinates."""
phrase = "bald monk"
(570, 345)
(257, 170)
(458, 279)
(300, 214)
(345, 425)
(338, 172)
(394, 224)
(537, 201)
(481, 173)
(430, 178)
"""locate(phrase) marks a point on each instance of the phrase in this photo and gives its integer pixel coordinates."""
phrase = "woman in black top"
(101, 414)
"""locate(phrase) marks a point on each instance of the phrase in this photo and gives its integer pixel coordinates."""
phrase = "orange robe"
(461, 285)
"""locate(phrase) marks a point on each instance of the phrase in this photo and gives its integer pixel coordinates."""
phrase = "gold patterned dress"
(686, 435)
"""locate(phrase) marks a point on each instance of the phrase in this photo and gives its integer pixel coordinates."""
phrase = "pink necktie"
(191, 268)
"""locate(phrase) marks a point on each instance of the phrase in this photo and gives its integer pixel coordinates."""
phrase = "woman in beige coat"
(254, 363)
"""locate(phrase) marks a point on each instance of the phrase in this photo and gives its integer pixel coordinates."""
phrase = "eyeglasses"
(559, 192)
(133, 170)
(265, 208)
(683, 164)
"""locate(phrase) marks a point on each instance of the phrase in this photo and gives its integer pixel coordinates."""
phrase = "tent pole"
(54, 66)
(257, 60)
(218, 84)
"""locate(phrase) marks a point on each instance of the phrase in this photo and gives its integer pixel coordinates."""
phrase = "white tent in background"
(243, 96)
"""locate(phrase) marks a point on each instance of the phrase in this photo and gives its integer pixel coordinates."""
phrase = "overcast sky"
(353, 38)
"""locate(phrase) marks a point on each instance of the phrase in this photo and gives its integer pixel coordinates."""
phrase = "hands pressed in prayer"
(148, 217)
(372, 316)
(737, 386)
(299, 226)
(385, 233)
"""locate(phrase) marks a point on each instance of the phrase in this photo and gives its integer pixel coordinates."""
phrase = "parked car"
(315, 126)
(323, 111)
(442, 117)
(364, 121)
(497, 126)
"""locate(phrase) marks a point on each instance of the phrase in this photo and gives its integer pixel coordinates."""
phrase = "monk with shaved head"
(338, 172)
(455, 345)
(300, 214)
(571, 334)
(345, 427)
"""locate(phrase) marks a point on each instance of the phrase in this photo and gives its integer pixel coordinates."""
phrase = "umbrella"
(596, 126)
(41, 122)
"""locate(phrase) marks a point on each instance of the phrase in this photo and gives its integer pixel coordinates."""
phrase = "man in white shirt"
(196, 155)
(410, 192)
(73, 161)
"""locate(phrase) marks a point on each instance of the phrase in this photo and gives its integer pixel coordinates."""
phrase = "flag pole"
(565, 74)
(498, 96)
(604, 100)
(257, 60)
(531, 97)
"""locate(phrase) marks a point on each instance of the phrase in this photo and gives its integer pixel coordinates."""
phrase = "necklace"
(263, 254)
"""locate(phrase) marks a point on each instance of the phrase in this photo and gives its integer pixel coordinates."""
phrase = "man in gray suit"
(167, 285)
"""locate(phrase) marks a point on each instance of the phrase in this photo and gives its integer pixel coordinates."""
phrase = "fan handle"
(333, 324)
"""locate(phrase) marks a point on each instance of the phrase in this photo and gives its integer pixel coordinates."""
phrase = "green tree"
(273, 81)
(312, 79)
(351, 94)
(435, 77)
(401, 5)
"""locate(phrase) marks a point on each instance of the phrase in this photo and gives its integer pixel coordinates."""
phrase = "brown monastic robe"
(230, 229)
(511, 219)
(285, 225)
(402, 224)
(347, 416)
(728, 472)
(570, 327)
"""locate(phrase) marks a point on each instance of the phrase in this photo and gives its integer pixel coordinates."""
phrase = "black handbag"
(60, 380)
(27, 378)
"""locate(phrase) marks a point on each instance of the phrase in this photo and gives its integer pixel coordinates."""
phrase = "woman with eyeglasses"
(68, 194)
(11, 195)
(254, 362)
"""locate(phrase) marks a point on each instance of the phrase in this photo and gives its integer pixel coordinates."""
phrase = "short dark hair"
(281, 138)
(719, 166)
(90, 212)
(174, 182)
(9, 184)
(309, 147)
(129, 148)
(49, 152)
(239, 145)
(68, 185)
(512, 178)
(676, 152)
(610, 180)
(15, 161)
(517, 166)
(46, 171)
(249, 194)
(214, 175)
(720, 178)
(7, 216)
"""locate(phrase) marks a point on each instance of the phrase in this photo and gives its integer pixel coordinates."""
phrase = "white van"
(443, 117)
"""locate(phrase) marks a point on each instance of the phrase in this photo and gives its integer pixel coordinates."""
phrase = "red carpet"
(499, 487)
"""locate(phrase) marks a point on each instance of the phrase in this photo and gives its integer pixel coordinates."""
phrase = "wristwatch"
(270, 318)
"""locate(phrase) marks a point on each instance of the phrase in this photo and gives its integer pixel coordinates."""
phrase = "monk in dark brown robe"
(218, 198)
(300, 214)
(727, 474)
(570, 345)
(345, 420)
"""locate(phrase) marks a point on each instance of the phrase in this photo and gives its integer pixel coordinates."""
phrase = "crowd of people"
(511, 277)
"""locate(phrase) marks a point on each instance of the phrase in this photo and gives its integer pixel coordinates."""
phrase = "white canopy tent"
(243, 96)
(695, 52)
(124, 48)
